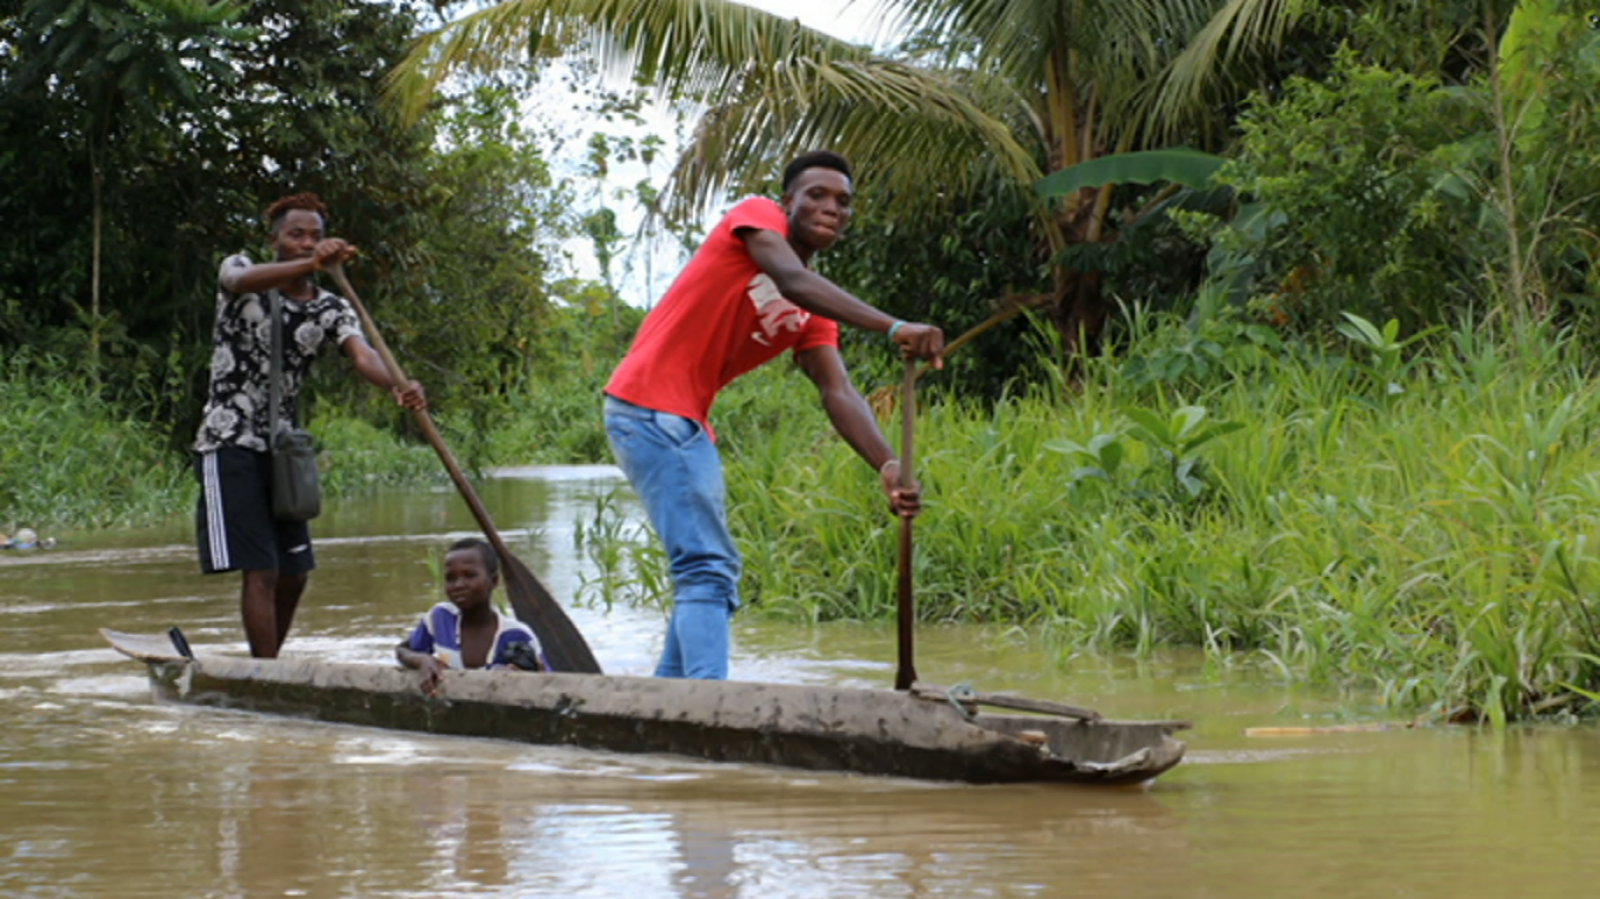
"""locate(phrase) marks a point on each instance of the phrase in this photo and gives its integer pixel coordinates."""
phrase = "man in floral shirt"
(233, 518)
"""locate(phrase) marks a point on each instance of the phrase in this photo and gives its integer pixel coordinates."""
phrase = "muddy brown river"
(105, 793)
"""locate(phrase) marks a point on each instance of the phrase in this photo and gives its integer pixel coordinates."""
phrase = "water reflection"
(103, 793)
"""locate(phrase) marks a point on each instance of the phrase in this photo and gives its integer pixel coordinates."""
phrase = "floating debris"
(26, 538)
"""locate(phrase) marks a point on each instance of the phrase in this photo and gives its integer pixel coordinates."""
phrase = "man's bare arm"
(261, 276)
(369, 365)
(814, 293)
(853, 419)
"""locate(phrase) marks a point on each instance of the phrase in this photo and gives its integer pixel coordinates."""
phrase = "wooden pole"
(905, 673)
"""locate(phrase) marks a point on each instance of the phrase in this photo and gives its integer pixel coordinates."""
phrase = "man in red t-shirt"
(748, 295)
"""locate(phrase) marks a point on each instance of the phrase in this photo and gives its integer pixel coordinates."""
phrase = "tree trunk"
(1081, 312)
(97, 182)
(1080, 305)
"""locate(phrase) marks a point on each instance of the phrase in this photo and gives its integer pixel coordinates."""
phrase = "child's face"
(466, 581)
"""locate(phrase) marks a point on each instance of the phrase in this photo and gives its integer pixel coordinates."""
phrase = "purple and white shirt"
(439, 633)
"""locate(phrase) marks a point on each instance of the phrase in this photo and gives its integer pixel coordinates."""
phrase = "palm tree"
(990, 92)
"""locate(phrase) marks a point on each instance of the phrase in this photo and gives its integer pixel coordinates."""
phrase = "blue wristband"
(894, 327)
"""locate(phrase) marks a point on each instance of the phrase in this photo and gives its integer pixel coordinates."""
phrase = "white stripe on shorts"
(216, 530)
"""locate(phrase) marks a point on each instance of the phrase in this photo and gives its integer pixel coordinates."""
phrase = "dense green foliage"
(196, 132)
(286, 105)
(1425, 178)
(1353, 207)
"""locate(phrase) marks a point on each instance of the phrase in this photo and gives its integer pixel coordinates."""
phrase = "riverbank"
(71, 460)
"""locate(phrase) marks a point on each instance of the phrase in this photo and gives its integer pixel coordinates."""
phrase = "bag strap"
(275, 373)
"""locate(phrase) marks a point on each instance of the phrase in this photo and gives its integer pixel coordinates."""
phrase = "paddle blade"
(564, 648)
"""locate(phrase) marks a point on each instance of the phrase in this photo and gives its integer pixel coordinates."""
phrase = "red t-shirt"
(722, 317)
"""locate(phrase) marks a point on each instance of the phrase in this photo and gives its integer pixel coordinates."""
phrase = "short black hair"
(826, 159)
(491, 559)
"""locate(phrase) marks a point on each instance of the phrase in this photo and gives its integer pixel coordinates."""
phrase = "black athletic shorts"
(233, 521)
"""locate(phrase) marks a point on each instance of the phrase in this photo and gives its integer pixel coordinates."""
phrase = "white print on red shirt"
(773, 312)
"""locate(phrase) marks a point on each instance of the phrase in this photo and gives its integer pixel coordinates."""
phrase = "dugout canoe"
(928, 732)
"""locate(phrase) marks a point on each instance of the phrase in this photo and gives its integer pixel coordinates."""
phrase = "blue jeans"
(673, 466)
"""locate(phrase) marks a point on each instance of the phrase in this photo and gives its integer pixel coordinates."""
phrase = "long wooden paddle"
(564, 648)
(905, 672)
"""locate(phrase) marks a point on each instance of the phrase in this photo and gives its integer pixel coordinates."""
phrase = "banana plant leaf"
(1179, 165)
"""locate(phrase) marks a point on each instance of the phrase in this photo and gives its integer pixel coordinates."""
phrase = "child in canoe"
(467, 631)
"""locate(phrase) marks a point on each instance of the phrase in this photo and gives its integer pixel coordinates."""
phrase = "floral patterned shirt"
(241, 359)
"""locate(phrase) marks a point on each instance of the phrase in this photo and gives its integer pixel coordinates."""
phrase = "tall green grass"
(1428, 530)
(69, 458)
(73, 459)
(555, 419)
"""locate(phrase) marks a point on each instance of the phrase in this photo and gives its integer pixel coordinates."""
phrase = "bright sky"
(849, 19)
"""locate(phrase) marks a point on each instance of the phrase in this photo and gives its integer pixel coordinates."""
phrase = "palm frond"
(1201, 70)
(1137, 71)
(920, 136)
(684, 47)
(1010, 37)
